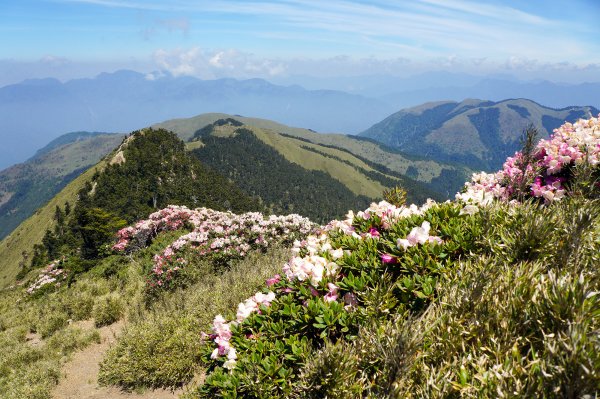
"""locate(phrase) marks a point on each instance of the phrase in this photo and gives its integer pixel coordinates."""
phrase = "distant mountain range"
(548, 93)
(403, 92)
(479, 134)
(36, 111)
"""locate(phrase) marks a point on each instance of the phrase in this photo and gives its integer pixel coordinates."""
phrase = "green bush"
(107, 310)
(51, 321)
(163, 352)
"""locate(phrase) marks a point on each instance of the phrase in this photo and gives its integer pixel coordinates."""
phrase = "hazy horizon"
(380, 56)
(283, 40)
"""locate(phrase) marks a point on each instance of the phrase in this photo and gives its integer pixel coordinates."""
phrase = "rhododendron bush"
(382, 261)
(547, 173)
(219, 236)
(328, 289)
(51, 275)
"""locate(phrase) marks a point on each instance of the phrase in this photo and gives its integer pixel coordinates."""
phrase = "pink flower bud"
(386, 258)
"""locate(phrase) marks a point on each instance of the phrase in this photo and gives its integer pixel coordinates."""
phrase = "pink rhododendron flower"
(273, 280)
(386, 258)
(332, 294)
(374, 233)
(418, 235)
(570, 145)
(336, 253)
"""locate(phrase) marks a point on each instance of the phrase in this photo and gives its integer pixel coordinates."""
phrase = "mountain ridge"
(418, 168)
(477, 133)
(27, 186)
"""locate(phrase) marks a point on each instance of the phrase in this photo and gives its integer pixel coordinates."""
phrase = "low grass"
(161, 347)
(38, 335)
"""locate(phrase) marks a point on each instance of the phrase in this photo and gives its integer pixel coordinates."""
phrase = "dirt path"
(81, 372)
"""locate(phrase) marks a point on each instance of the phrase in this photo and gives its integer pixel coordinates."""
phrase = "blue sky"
(208, 39)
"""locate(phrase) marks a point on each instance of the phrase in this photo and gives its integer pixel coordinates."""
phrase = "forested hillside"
(281, 186)
(150, 170)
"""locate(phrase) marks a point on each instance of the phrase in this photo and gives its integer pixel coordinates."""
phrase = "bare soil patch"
(81, 372)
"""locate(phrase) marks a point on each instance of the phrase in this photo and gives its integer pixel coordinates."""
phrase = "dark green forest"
(157, 172)
(281, 186)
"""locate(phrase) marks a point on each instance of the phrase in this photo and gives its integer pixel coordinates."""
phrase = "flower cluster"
(52, 274)
(172, 217)
(316, 267)
(222, 330)
(252, 304)
(221, 336)
(386, 214)
(225, 236)
(548, 171)
(418, 235)
(311, 263)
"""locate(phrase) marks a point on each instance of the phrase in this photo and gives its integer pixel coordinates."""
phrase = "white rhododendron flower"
(418, 235)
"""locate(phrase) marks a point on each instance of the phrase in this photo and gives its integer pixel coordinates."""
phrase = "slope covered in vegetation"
(150, 170)
(477, 133)
(303, 177)
(249, 162)
(442, 178)
(492, 295)
(26, 187)
(16, 248)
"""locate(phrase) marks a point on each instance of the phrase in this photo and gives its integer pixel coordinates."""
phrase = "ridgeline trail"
(80, 374)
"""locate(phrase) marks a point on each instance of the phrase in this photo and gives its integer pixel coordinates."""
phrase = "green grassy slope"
(32, 230)
(281, 186)
(352, 171)
(420, 169)
(27, 186)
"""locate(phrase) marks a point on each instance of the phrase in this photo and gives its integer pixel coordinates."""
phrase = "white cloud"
(213, 64)
(54, 61)
(418, 28)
